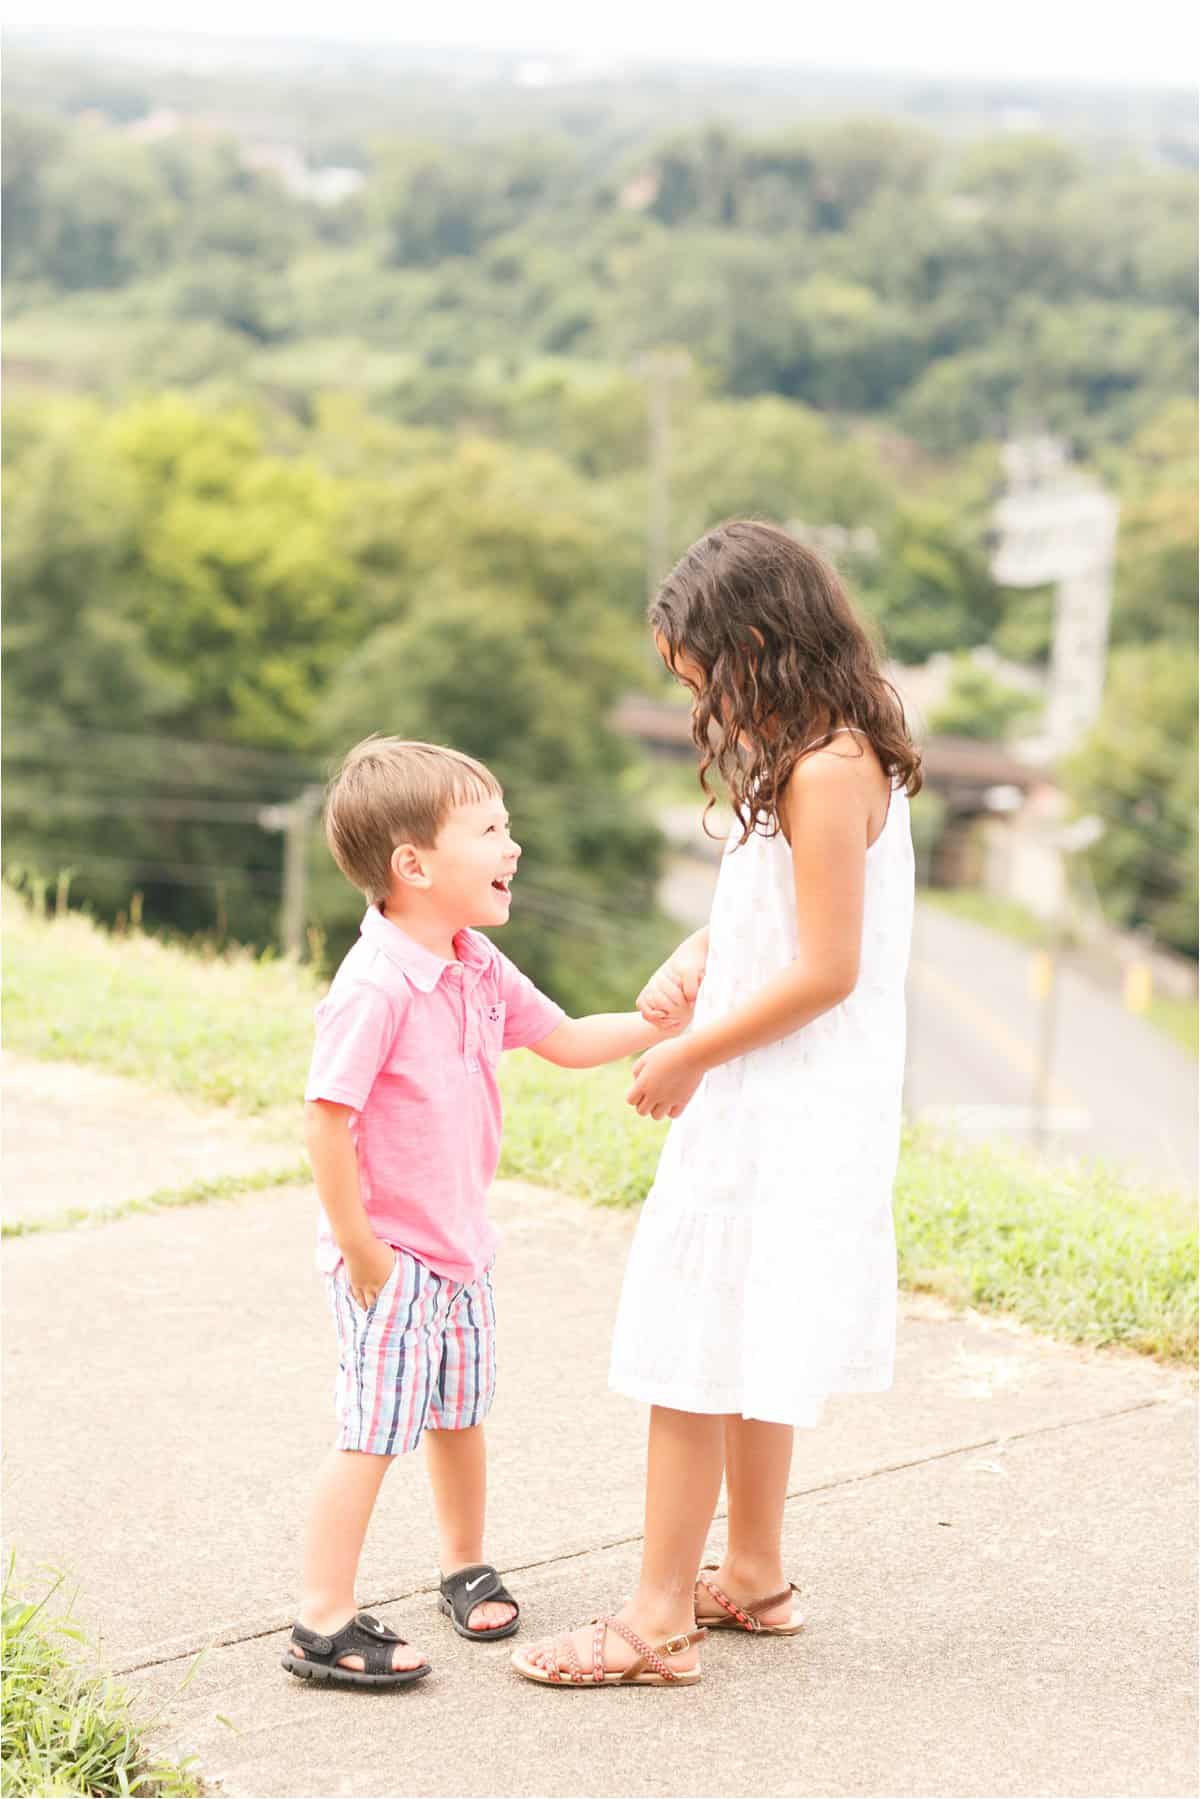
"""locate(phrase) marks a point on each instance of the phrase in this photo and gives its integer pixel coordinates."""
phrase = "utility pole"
(660, 369)
(293, 820)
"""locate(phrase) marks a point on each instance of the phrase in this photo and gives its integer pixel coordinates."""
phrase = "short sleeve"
(356, 1028)
(528, 1014)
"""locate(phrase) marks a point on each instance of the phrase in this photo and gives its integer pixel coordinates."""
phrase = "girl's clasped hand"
(665, 1077)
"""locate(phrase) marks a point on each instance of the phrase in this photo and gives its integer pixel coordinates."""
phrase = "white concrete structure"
(1056, 525)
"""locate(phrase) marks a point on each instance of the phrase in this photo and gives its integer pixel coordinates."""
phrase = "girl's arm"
(826, 811)
(826, 815)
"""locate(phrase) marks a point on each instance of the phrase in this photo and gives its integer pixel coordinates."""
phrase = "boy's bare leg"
(348, 1484)
(683, 1483)
(457, 1462)
(758, 1460)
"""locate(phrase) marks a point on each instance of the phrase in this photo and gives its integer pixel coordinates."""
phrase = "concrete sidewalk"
(85, 1140)
(997, 1559)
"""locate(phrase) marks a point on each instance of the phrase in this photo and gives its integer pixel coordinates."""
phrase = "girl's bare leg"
(758, 1460)
(683, 1483)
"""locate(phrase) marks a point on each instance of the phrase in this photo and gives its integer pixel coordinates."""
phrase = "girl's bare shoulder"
(844, 773)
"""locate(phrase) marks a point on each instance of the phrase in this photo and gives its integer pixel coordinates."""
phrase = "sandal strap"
(743, 1617)
(556, 1649)
(748, 1616)
(362, 1635)
(650, 1658)
(573, 1661)
(485, 1585)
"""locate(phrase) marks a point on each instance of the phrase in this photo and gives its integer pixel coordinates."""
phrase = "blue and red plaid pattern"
(422, 1358)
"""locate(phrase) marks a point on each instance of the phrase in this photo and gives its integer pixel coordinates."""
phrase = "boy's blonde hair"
(389, 792)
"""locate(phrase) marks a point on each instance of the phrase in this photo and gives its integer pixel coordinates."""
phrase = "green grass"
(1177, 1018)
(1070, 1251)
(1006, 916)
(66, 1726)
(195, 1193)
(229, 1029)
(574, 1131)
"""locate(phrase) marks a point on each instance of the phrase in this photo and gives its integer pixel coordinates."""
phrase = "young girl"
(762, 1277)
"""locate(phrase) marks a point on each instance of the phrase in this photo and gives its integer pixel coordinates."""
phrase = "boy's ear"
(407, 866)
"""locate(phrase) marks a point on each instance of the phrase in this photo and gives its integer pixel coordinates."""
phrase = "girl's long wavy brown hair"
(785, 659)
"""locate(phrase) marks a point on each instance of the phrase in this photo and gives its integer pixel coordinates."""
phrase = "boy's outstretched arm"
(601, 1037)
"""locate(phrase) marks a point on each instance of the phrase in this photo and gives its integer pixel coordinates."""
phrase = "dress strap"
(836, 732)
(859, 732)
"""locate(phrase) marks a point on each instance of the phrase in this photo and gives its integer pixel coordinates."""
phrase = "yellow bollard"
(1041, 973)
(1138, 986)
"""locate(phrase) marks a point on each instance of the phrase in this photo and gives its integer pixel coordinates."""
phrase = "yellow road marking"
(994, 1032)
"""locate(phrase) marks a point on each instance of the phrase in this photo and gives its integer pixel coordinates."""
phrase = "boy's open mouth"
(503, 885)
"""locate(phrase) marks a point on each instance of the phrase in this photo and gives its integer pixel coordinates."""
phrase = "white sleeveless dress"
(762, 1277)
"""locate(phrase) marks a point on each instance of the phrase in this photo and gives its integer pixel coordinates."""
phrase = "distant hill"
(316, 93)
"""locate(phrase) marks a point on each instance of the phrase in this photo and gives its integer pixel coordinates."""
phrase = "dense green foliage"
(167, 565)
(1137, 771)
(976, 704)
(284, 467)
(864, 267)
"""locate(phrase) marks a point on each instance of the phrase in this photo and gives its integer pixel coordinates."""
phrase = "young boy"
(403, 1128)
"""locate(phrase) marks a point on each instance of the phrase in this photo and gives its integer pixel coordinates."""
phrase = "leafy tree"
(242, 581)
(74, 651)
(27, 146)
(976, 704)
(503, 642)
(1137, 771)
(770, 458)
(1156, 578)
(104, 217)
(167, 577)
(932, 590)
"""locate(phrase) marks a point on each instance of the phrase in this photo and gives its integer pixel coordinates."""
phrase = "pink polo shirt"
(412, 1044)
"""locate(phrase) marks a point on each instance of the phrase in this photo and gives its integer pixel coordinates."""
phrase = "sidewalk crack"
(230, 1639)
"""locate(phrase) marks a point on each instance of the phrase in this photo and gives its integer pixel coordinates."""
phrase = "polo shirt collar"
(421, 966)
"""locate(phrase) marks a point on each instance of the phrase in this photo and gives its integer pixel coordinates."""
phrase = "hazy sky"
(1147, 42)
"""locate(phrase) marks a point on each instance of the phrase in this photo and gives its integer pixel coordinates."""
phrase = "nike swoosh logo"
(470, 1585)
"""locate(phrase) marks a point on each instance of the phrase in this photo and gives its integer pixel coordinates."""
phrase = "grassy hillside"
(1071, 1251)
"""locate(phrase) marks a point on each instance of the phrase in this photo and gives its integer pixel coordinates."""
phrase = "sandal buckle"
(677, 1646)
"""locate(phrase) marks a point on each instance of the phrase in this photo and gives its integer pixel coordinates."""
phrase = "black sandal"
(463, 1591)
(364, 1636)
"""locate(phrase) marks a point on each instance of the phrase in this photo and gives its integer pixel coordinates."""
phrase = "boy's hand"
(664, 1080)
(669, 996)
(368, 1269)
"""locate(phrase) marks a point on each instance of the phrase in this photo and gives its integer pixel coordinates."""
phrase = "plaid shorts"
(422, 1358)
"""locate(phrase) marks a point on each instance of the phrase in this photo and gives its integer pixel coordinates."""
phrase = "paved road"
(1121, 1090)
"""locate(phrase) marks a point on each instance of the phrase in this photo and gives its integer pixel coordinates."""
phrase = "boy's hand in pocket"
(369, 1267)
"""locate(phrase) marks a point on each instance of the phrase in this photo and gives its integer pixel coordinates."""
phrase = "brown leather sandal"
(748, 1617)
(649, 1670)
